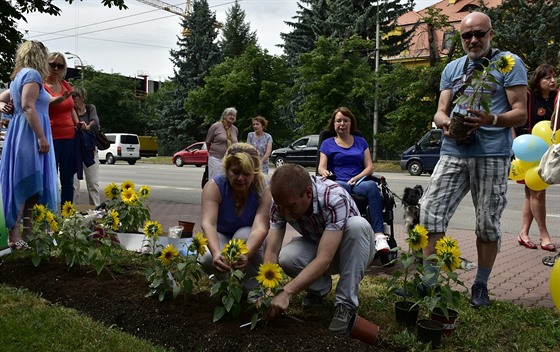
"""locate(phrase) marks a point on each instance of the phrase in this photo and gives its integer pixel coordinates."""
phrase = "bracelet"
(495, 121)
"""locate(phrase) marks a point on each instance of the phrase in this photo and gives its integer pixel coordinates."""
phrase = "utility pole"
(376, 100)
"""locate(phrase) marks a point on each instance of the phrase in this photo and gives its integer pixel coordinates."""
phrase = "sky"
(137, 41)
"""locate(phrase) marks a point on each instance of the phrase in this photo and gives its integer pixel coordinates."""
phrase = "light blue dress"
(260, 144)
(24, 171)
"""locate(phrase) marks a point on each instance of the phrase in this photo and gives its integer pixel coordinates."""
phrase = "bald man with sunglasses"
(481, 164)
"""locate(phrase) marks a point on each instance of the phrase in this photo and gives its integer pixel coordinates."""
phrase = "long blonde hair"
(31, 54)
(247, 157)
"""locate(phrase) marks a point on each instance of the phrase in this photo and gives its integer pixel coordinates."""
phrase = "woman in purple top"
(347, 157)
(236, 205)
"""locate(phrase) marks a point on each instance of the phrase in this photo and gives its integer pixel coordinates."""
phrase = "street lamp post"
(72, 56)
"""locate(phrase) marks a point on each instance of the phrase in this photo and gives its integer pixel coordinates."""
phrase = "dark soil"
(117, 299)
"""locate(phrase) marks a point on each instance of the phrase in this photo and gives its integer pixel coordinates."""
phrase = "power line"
(107, 40)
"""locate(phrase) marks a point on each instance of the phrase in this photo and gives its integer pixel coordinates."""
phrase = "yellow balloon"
(534, 181)
(543, 130)
(526, 165)
(555, 284)
(557, 139)
(517, 170)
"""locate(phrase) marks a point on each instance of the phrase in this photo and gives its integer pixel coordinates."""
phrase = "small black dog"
(410, 202)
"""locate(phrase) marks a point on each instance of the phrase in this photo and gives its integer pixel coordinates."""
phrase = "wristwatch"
(495, 121)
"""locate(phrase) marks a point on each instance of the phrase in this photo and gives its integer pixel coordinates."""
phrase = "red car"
(194, 154)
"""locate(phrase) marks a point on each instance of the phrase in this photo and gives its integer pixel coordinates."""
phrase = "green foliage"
(130, 205)
(528, 29)
(231, 292)
(236, 34)
(13, 11)
(335, 74)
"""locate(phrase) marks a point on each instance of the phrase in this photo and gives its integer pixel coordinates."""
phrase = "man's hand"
(278, 305)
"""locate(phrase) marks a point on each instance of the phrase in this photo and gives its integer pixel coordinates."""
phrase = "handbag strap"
(555, 118)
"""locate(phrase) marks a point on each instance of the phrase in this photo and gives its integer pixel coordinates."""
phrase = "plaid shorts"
(452, 179)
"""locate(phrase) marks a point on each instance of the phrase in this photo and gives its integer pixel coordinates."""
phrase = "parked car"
(424, 154)
(303, 151)
(194, 154)
(124, 146)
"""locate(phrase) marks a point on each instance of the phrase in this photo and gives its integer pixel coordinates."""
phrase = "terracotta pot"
(449, 322)
(363, 330)
(187, 228)
(429, 331)
(406, 313)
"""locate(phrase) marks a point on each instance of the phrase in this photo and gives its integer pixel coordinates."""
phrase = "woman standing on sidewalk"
(540, 107)
(221, 135)
(261, 140)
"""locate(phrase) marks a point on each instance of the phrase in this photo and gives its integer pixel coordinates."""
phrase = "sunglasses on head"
(477, 34)
(55, 65)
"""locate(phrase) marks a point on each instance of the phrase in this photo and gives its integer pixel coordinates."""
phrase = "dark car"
(303, 152)
(423, 155)
(194, 154)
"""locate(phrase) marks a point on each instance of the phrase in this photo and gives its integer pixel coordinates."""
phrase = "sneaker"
(381, 244)
(312, 300)
(341, 319)
(479, 295)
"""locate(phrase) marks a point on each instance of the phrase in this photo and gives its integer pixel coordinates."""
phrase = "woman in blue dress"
(27, 169)
(261, 140)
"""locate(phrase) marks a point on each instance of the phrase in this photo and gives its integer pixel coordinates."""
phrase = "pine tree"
(237, 35)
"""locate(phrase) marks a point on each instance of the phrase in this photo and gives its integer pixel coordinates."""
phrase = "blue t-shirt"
(344, 163)
(491, 141)
(228, 221)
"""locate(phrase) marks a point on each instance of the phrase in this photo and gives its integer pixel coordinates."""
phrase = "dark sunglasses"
(55, 65)
(75, 95)
(477, 34)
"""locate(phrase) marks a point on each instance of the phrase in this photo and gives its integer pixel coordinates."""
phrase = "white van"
(124, 146)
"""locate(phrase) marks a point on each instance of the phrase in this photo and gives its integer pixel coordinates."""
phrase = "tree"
(528, 29)
(237, 35)
(15, 10)
(254, 83)
(335, 74)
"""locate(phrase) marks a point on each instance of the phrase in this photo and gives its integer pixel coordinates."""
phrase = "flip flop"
(18, 245)
(550, 260)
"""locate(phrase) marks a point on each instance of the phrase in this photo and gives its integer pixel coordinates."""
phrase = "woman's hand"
(8, 108)
(241, 263)
(219, 262)
(43, 145)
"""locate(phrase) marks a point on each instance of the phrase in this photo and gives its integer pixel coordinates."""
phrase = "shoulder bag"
(549, 167)
(100, 137)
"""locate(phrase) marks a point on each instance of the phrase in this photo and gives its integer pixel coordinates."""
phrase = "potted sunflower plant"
(130, 204)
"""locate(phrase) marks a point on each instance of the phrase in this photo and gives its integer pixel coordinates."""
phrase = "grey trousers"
(355, 253)
(250, 281)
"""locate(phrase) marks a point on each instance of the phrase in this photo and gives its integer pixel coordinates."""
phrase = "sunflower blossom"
(115, 219)
(233, 249)
(111, 191)
(505, 63)
(199, 243)
(127, 185)
(144, 192)
(68, 209)
(269, 275)
(153, 229)
(129, 196)
(450, 259)
(51, 220)
(445, 243)
(38, 213)
(168, 254)
(417, 238)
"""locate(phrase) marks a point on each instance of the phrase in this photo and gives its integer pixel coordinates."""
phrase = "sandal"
(18, 245)
(550, 260)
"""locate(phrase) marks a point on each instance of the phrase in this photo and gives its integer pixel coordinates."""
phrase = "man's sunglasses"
(477, 34)
(55, 65)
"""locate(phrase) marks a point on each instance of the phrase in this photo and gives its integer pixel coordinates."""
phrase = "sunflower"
(445, 243)
(111, 191)
(450, 259)
(153, 229)
(233, 249)
(127, 185)
(38, 213)
(505, 63)
(417, 238)
(144, 192)
(269, 275)
(51, 220)
(68, 209)
(129, 196)
(115, 219)
(168, 254)
(199, 243)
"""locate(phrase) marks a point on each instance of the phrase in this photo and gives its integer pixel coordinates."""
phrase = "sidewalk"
(518, 275)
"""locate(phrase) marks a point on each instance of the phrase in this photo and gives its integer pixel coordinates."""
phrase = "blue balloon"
(528, 147)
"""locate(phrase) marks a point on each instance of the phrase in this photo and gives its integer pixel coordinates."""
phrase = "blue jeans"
(369, 190)
(66, 164)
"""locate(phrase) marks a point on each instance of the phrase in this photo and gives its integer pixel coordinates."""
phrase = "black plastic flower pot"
(406, 313)
(429, 331)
